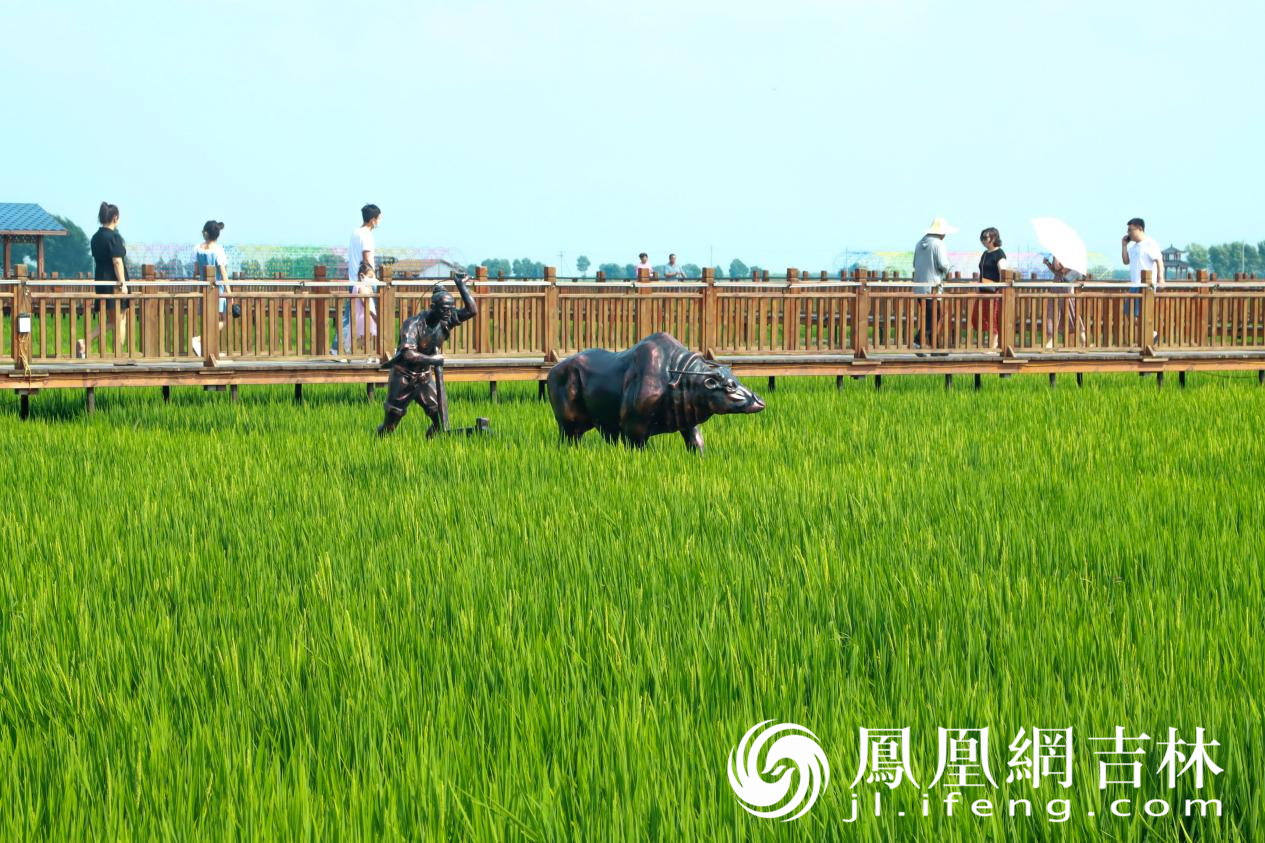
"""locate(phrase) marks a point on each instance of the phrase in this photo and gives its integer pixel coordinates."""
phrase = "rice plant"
(256, 620)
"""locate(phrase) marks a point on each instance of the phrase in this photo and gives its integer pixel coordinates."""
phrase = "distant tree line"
(1226, 259)
(518, 268)
(528, 268)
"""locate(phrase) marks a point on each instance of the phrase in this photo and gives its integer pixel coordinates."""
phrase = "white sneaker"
(196, 345)
(1049, 343)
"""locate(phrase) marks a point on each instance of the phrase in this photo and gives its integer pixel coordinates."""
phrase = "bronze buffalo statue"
(657, 386)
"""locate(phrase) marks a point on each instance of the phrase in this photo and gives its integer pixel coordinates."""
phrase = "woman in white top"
(210, 253)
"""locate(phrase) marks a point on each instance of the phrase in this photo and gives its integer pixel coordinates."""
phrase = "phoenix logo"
(759, 790)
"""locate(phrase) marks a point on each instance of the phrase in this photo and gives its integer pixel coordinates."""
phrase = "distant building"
(421, 267)
(1175, 268)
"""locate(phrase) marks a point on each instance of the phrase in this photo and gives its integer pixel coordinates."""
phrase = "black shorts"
(108, 289)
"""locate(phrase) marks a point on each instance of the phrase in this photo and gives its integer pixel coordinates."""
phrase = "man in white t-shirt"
(1140, 252)
(362, 270)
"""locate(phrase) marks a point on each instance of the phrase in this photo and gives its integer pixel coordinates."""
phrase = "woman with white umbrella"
(1053, 311)
(1069, 263)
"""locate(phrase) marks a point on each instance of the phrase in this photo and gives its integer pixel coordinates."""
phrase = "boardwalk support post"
(1007, 342)
(550, 323)
(1148, 336)
(210, 318)
(21, 339)
(643, 304)
(860, 317)
(151, 315)
(386, 315)
(320, 315)
(482, 319)
(710, 314)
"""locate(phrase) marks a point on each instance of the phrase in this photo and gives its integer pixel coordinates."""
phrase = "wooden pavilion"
(26, 222)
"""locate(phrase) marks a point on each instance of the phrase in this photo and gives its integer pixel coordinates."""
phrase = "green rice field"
(257, 621)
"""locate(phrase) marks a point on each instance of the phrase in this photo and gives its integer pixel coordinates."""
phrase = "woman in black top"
(108, 253)
(987, 315)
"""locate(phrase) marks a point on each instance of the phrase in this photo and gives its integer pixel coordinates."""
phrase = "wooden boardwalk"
(287, 331)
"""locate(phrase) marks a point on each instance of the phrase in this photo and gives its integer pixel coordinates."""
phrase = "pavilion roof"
(25, 218)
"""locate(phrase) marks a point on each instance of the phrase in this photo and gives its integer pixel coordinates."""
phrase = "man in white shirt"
(1140, 252)
(362, 267)
(362, 250)
(673, 272)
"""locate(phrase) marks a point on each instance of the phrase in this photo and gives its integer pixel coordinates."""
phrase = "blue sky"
(782, 133)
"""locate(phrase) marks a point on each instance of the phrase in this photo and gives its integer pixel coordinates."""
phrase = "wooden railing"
(860, 316)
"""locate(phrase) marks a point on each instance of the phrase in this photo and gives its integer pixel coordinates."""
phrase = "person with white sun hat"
(931, 266)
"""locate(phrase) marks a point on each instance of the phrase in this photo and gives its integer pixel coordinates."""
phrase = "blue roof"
(16, 217)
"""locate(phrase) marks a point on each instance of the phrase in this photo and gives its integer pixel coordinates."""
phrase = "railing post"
(643, 304)
(710, 316)
(1147, 338)
(151, 314)
(21, 307)
(320, 314)
(860, 317)
(1201, 308)
(549, 341)
(599, 277)
(210, 317)
(386, 314)
(1007, 335)
(790, 327)
(481, 321)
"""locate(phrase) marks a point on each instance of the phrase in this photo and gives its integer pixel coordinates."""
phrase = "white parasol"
(1058, 238)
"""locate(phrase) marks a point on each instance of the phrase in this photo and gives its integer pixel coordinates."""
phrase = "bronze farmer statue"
(413, 376)
(657, 386)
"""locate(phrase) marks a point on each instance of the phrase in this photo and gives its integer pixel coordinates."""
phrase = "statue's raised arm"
(469, 309)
